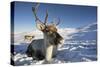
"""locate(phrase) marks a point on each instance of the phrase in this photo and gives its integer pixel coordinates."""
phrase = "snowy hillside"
(80, 45)
(88, 32)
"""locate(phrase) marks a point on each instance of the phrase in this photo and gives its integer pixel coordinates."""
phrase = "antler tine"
(46, 17)
(58, 22)
(34, 9)
(37, 5)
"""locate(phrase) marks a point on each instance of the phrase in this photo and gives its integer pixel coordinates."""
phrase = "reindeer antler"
(46, 17)
(56, 22)
(34, 9)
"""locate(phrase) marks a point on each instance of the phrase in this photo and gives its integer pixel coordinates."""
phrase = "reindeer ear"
(40, 26)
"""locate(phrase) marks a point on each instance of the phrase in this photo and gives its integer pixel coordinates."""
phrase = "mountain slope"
(88, 32)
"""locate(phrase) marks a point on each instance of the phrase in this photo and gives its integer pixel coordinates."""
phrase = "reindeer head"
(49, 30)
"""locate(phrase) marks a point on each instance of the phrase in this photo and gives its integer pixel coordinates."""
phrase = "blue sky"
(71, 16)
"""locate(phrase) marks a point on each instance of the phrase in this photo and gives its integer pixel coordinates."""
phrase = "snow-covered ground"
(80, 45)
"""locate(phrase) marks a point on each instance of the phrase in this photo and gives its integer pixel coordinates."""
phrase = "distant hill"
(88, 32)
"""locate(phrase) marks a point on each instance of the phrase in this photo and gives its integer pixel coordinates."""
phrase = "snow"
(80, 46)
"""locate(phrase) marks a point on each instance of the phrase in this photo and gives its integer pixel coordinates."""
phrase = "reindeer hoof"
(47, 62)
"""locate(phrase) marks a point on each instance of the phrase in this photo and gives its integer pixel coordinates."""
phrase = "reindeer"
(45, 48)
(28, 37)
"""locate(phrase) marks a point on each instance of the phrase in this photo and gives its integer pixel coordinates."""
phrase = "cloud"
(89, 28)
(66, 32)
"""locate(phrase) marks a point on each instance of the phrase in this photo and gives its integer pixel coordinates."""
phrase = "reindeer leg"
(49, 52)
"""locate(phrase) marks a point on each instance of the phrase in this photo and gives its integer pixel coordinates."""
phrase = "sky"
(71, 16)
